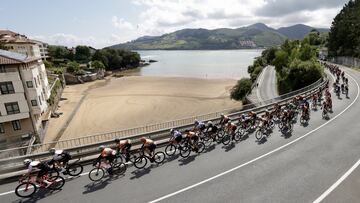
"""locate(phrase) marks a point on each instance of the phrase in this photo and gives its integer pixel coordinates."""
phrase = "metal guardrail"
(100, 137)
(15, 163)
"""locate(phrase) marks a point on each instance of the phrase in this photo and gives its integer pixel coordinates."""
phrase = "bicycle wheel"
(259, 134)
(54, 172)
(237, 136)
(120, 168)
(96, 174)
(25, 189)
(140, 162)
(185, 151)
(159, 157)
(226, 139)
(74, 169)
(221, 133)
(201, 147)
(56, 183)
(170, 150)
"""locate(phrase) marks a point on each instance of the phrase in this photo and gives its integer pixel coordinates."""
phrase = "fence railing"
(101, 137)
(11, 164)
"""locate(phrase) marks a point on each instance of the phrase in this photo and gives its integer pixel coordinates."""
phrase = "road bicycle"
(187, 148)
(73, 169)
(143, 158)
(27, 186)
(101, 168)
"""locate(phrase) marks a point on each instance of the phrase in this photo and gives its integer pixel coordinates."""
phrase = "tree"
(100, 55)
(344, 36)
(281, 60)
(48, 65)
(97, 65)
(242, 87)
(58, 52)
(73, 67)
(82, 54)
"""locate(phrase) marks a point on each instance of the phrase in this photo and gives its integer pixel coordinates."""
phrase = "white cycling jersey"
(58, 155)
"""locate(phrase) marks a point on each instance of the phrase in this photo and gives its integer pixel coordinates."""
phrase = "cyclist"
(231, 128)
(123, 146)
(176, 136)
(40, 167)
(108, 154)
(212, 130)
(305, 112)
(60, 157)
(199, 126)
(253, 116)
(149, 147)
(192, 138)
(223, 119)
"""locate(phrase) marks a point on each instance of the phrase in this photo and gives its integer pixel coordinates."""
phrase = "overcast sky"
(107, 22)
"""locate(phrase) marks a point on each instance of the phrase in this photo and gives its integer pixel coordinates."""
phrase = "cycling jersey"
(176, 134)
(200, 126)
(37, 165)
(108, 152)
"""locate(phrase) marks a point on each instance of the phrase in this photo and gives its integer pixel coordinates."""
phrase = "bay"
(199, 63)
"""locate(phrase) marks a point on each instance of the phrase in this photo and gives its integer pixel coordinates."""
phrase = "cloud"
(275, 8)
(121, 23)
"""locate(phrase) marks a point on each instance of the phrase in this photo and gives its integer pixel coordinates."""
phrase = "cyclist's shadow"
(187, 160)
(39, 195)
(138, 173)
(95, 186)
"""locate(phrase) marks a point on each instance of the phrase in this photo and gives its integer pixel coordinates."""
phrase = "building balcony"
(12, 117)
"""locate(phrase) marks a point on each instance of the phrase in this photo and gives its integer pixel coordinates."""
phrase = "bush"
(255, 73)
(242, 87)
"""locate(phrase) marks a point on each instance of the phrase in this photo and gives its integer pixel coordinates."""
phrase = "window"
(40, 100)
(34, 102)
(16, 125)
(6, 88)
(29, 84)
(2, 69)
(12, 108)
(2, 128)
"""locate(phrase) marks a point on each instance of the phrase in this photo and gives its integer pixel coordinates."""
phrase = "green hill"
(254, 36)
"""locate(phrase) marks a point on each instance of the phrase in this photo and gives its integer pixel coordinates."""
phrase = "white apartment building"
(24, 91)
(21, 44)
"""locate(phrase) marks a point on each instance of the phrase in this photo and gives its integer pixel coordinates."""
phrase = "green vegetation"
(242, 87)
(344, 36)
(296, 64)
(54, 92)
(253, 36)
(109, 59)
(2, 46)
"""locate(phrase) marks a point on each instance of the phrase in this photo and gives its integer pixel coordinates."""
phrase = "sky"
(100, 23)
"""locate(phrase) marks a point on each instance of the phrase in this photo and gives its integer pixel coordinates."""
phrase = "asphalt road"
(298, 168)
(267, 88)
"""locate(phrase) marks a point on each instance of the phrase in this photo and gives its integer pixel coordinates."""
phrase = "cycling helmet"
(172, 131)
(267, 110)
(102, 147)
(52, 151)
(229, 122)
(27, 162)
(117, 140)
(143, 139)
(209, 123)
(196, 122)
(222, 115)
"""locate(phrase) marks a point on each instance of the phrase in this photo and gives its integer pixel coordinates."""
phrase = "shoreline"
(127, 102)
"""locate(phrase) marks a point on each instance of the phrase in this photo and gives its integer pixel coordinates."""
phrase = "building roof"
(7, 32)
(8, 57)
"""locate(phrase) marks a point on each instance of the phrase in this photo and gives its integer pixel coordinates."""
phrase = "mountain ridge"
(257, 35)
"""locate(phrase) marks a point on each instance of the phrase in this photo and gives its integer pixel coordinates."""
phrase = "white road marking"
(260, 157)
(240, 166)
(337, 183)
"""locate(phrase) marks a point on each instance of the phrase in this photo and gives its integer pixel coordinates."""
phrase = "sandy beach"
(120, 103)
